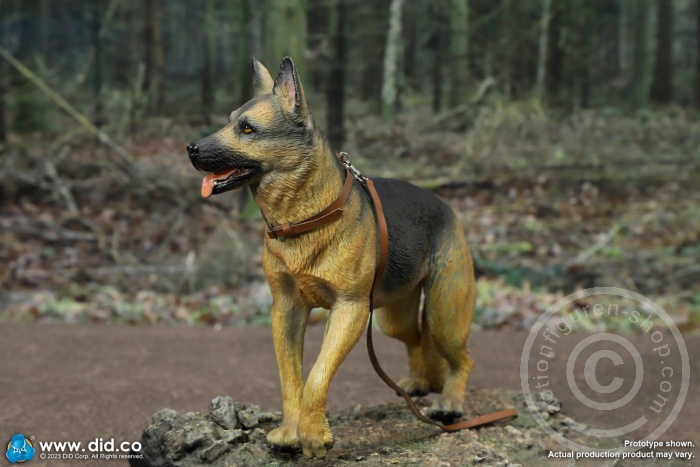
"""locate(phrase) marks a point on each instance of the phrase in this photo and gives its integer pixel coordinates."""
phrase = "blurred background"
(564, 133)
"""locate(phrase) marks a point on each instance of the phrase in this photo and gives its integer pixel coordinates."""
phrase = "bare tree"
(697, 52)
(285, 33)
(542, 55)
(623, 39)
(438, 55)
(662, 85)
(207, 73)
(641, 58)
(335, 86)
(556, 54)
(410, 49)
(98, 62)
(459, 59)
(392, 56)
(29, 104)
(149, 7)
(3, 77)
(158, 86)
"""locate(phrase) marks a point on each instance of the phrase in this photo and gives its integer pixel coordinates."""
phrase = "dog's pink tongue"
(208, 185)
(208, 181)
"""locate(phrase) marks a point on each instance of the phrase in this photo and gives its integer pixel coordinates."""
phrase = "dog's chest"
(316, 291)
(310, 273)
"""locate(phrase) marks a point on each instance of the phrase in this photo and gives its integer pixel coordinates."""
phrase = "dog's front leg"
(346, 323)
(289, 318)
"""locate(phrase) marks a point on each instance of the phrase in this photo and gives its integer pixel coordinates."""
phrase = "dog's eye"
(247, 129)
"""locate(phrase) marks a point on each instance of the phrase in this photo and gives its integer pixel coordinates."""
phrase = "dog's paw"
(414, 386)
(284, 437)
(445, 410)
(316, 437)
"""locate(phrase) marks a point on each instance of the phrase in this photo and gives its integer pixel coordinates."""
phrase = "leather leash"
(332, 213)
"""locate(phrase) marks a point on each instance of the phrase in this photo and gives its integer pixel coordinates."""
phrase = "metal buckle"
(344, 158)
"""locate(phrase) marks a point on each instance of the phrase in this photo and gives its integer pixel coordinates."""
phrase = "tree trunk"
(410, 47)
(392, 56)
(438, 59)
(542, 54)
(285, 33)
(623, 44)
(44, 32)
(249, 45)
(459, 42)
(158, 87)
(335, 87)
(29, 103)
(147, 37)
(697, 52)
(255, 28)
(662, 85)
(3, 76)
(555, 57)
(506, 26)
(641, 58)
(583, 75)
(97, 64)
(206, 76)
(372, 18)
(243, 86)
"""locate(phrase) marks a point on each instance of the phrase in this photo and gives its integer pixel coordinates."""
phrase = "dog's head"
(267, 135)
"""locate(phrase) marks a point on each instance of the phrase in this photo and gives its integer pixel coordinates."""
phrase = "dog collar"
(328, 215)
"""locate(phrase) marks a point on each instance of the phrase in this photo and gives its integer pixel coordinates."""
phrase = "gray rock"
(193, 439)
(152, 448)
(265, 417)
(223, 411)
(259, 435)
(249, 418)
(215, 451)
(234, 437)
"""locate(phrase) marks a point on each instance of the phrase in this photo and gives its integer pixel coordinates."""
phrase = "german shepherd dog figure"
(274, 146)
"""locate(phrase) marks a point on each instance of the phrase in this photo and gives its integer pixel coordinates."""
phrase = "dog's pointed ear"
(289, 90)
(262, 81)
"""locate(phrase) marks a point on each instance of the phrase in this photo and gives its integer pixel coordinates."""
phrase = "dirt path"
(78, 383)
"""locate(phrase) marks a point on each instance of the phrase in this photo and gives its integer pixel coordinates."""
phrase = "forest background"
(564, 133)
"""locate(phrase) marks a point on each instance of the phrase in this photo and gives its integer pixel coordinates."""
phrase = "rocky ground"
(232, 434)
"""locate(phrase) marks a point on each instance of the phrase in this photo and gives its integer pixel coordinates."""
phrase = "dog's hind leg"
(449, 309)
(400, 321)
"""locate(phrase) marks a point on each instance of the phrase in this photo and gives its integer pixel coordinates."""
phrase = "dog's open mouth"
(226, 180)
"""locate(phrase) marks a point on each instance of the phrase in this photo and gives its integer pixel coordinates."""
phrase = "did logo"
(19, 449)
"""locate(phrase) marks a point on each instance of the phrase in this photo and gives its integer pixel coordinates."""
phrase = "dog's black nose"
(192, 151)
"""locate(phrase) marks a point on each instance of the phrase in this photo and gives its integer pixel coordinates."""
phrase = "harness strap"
(381, 264)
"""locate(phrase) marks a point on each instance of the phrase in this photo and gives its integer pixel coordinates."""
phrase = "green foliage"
(106, 304)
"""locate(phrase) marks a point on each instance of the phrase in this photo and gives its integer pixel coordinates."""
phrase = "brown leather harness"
(333, 212)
